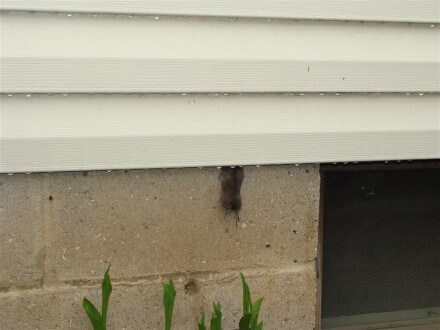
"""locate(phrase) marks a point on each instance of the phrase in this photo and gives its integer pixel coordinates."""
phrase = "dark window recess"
(381, 241)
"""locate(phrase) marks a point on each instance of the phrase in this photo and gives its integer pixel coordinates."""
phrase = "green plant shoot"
(251, 311)
(169, 294)
(99, 320)
(201, 323)
(216, 319)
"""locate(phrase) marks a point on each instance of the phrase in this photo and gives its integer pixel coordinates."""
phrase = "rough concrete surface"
(21, 235)
(289, 303)
(151, 225)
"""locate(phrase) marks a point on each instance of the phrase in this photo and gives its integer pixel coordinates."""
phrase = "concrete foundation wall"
(59, 231)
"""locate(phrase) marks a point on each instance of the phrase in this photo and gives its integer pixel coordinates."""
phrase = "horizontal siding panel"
(80, 132)
(210, 76)
(53, 53)
(425, 11)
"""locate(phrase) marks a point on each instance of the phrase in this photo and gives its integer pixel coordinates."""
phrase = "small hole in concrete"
(191, 287)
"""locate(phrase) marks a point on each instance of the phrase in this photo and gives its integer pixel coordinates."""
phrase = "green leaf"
(216, 319)
(259, 326)
(247, 302)
(255, 312)
(244, 322)
(106, 291)
(169, 294)
(93, 314)
(202, 325)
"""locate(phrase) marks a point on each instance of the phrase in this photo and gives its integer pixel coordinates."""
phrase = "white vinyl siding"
(169, 91)
(45, 53)
(421, 11)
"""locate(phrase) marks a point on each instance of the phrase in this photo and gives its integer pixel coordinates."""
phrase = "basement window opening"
(380, 242)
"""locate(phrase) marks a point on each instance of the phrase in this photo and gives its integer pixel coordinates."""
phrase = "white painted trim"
(81, 132)
(51, 54)
(421, 11)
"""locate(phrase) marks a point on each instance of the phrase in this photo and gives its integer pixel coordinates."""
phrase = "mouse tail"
(237, 218)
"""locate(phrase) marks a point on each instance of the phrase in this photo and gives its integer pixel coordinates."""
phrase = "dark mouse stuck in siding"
(231, 179)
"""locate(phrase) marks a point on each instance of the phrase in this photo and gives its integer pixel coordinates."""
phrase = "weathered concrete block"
(289, 297)
(170, 221)
(21, 231)
(150, 225)
(289, 302)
